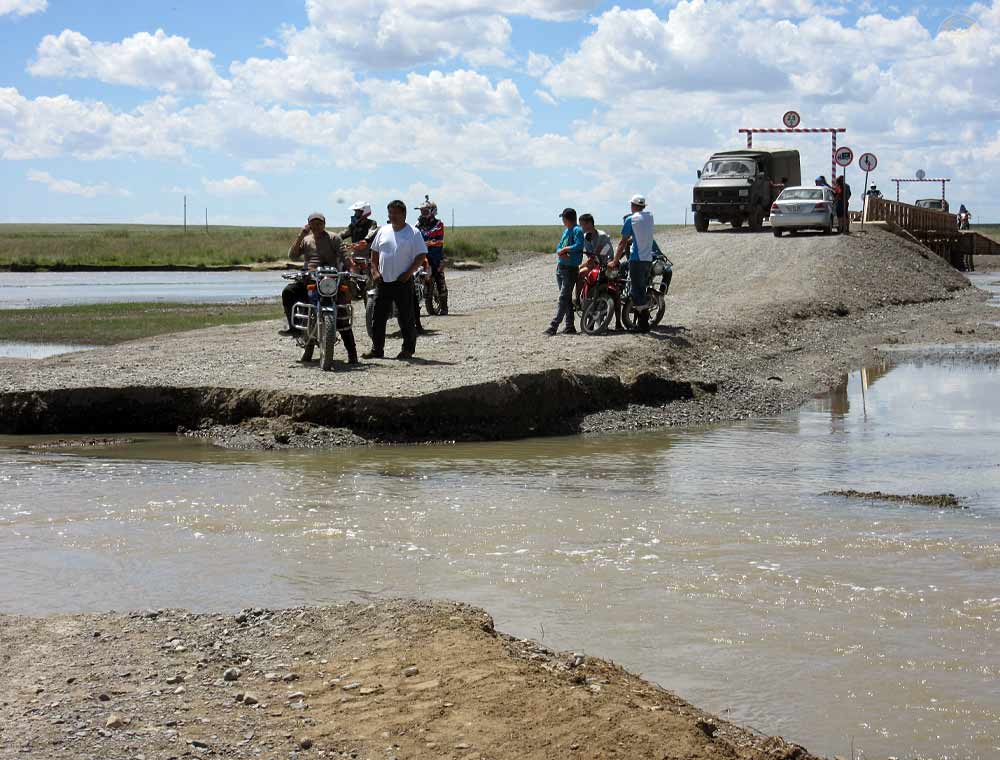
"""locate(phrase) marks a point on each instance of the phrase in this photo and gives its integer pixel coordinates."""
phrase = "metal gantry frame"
(926, 179)
(833, 131)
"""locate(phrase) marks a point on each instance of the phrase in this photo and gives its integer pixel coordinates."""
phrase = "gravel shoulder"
(743, 310)
(398, 679)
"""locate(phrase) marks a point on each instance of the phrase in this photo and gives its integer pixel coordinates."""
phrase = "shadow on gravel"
(671, 334)
(428, 362)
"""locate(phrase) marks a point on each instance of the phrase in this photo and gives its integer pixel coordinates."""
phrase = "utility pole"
(453, 218)
(206, 220)
(185, 214)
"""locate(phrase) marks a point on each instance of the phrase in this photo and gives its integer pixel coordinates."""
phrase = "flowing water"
(706, 559)
(23, 290)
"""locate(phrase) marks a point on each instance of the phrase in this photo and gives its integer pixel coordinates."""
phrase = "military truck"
(935, 204)
(739, 186)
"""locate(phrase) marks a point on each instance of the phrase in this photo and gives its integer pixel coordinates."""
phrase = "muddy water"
(707, 560)
(22, 290)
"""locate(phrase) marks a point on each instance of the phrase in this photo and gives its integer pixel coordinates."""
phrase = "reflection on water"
(704, 559)
(21, 290)
(15, 350)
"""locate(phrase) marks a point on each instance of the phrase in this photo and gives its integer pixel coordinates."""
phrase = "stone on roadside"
(173, 680)
(411, 671)
(249, 700)
(305, 742)
(114, 721)
(289, 677)
(231, 674)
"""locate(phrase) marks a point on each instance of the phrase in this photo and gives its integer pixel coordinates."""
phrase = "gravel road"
(743, 308)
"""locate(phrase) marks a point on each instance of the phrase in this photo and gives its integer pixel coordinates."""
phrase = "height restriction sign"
(845, 156)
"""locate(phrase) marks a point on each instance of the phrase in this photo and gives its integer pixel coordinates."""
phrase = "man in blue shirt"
(569, 257)
(637, 230)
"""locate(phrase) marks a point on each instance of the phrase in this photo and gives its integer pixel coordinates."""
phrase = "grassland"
(105, 324)
(68, 246)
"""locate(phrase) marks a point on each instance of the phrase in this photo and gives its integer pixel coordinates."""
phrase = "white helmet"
(364, 207)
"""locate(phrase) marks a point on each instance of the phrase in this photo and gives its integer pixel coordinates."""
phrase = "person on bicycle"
(432, 230)
(315, 247)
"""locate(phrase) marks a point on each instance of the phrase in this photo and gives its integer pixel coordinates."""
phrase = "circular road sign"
(791, 119)
(867, 162)
(845, 156)
(921, 174)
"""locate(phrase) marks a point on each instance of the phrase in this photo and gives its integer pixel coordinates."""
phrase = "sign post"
(866, 163)
(791, 119)
(844, 158)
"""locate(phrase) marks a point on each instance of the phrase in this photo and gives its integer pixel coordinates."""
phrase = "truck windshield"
(728, 167)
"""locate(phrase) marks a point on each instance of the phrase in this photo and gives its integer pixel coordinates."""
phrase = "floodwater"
(706, 559)
(17, 350)
(22, 290)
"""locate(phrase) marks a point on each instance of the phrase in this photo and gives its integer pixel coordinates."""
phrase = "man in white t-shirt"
(397, 252)
(637, 239)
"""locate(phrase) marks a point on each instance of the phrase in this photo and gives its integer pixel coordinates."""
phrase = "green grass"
(990, 230)
(40, 246)
(105, 324)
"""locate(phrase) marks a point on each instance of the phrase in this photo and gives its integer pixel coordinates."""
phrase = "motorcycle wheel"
(370, 316)
(432, 301)
(328, 339)
(630, 317)
(597, 314)
(658, 309)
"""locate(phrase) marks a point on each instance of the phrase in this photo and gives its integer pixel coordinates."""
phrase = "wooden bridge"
(936, 230)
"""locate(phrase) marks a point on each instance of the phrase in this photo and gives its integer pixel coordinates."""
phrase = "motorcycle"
(420, 278)
(963, 220)
(601, 296)
(318, 320)
(661, 273)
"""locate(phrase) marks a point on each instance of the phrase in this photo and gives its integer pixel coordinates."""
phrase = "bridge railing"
(936, 230)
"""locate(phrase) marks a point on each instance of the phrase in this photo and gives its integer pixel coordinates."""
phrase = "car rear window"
(801, 194)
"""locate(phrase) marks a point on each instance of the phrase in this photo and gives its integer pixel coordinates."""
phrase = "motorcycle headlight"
(328, 287)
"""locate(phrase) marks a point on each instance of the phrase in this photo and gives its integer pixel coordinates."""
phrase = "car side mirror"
(699, 174)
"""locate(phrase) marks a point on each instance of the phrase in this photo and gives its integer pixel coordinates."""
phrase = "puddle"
(990, 282)
(15, 350)
(706, 559)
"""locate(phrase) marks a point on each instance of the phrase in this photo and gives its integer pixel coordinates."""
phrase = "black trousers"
(401, 294)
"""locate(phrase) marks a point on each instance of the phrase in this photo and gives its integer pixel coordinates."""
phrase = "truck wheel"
(700, 222)
(756, 220)
(737, 222)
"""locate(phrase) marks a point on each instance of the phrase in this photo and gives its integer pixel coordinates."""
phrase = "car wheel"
(777, 231)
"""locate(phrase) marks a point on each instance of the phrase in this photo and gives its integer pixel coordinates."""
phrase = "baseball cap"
(638, 200)
(570, 212)
(316, 215)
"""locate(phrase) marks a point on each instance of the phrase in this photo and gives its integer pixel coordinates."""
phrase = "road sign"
(867, 162)
(791, 119)
(845, 156)
(921, 174)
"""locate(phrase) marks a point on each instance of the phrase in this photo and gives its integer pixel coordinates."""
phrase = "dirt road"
(744, 308)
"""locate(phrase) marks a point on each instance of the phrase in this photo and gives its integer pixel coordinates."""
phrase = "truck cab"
(739, 186)
(935, 204)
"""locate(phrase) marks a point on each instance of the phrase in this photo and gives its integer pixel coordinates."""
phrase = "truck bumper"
(716, 210)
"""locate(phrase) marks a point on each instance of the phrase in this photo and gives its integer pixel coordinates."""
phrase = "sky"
(262, 112)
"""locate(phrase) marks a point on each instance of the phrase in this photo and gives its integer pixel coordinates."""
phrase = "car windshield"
(801, 194)
(728, 167)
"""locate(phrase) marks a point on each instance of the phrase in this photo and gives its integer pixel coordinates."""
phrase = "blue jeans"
(566, 280)
(638, 271)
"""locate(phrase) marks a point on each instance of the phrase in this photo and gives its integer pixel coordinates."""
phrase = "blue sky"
(504, 113)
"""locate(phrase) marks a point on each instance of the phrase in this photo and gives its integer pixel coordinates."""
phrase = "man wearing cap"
(569, 257)
(637, 237)
(316, 248)
(398, 251)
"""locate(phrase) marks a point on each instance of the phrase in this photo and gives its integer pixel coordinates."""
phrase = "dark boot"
(350, 345)
(444, 303)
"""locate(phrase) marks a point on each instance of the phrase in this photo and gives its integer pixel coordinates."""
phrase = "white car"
(804, 208)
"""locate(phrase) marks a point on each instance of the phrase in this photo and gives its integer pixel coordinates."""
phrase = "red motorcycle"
(601, 295)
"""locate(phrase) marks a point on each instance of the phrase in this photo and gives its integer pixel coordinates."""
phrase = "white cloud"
(22, 7)
(70, 187)
(238, 185)
(296, 80)
(462, 93)
(157, 61)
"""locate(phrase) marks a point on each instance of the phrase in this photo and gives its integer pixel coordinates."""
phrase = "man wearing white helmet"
(361, 228)
(637, 238)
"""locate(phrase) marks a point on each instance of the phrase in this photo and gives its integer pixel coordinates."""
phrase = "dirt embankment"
(754, 326)
(400, 679)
